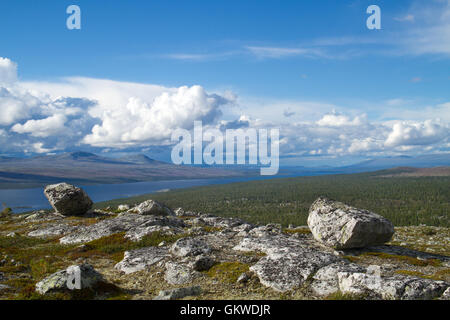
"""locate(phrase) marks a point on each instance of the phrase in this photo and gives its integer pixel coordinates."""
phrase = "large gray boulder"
(67, 199)
(340, 226)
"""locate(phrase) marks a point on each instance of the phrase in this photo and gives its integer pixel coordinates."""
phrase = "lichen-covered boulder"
(74, 277)
(340, 226)
(67, 199)
(151, 207)
(185, 247)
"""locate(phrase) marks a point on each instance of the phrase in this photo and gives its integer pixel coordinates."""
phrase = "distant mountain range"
(425, 161)
(89, 168)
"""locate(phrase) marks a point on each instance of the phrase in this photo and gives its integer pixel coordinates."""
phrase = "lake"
(22, 200)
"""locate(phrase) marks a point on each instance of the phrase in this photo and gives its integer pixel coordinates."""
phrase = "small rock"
(189, 247)
(177, 273)
(151, 207)
(179, 212)
(178, 293)
(202, 263)
(243, 278)
(123, 207)
(446, 294)
(4, 287)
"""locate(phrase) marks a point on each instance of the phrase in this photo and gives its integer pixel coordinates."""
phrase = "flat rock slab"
(340, 226)
(140, 259)
(123, 223)
(54, 230)
(326, 280)
(395, 287)
(288, 262)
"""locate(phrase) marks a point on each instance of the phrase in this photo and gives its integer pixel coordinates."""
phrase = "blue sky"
(289, 64)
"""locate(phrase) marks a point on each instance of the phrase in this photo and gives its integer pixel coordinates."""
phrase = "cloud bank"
(98, 114)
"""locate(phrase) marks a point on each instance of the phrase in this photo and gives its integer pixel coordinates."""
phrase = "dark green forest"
(403, 200)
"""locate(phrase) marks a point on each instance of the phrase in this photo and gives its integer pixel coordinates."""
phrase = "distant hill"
(89, 168)
(414, 172)
(432, 160)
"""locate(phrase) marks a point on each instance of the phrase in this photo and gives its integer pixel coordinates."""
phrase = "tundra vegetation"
(242, 230)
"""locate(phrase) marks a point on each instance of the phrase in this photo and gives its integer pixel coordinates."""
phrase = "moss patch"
(228, 272)
(406, 259)
(338, 295)
(299, 230)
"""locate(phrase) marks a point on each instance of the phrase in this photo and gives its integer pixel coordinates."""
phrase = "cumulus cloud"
(42, 128)
(140, 122)
(417, 133)
(86, 112)
(8, 71)
(93, 114)
(338, 120)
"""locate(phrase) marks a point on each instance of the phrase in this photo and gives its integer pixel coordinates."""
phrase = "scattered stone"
(68, 199)
(151, 207)
(243, 278)
(340, 226)
(140, 259)
(326, 282)
(58, 281)
(178, 293)
(202, 263)
(178, 274)
(446, 294)
(179, 212)
(395, 287)
(123, 207)
(4, 287)
(189, 247)
(11, 235)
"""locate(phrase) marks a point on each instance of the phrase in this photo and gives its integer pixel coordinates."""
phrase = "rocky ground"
(137, 255)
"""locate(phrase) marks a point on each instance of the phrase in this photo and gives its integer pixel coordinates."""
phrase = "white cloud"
(8, 71)
(432, 32)
(339, 120)
(38, 147)
(281, 52)
(405, 18)
(417, 133)
(42, 128)
(140, 122)
(86, 113)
